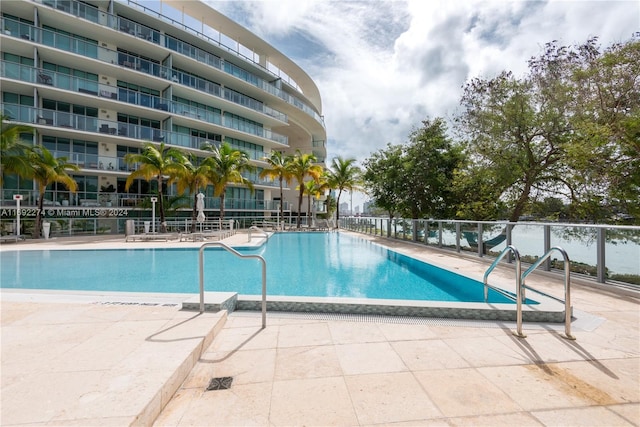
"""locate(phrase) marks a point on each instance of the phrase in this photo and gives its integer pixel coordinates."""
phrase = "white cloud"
(384, 66)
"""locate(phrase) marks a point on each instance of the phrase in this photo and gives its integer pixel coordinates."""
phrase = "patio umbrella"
(200, 207)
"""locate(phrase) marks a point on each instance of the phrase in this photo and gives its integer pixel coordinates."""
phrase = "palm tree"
(226, 165)
(14, 154)
(45, 169)
(344, 175)
(314, 189)
(301, 166)
(193, 178)
(154, 164)
(278, 170)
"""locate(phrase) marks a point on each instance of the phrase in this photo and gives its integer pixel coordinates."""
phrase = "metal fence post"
(601, 256)
(509, 242)
(547, 245)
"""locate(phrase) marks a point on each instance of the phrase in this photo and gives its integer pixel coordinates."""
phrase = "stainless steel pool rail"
(567, 286)
(520, 286)
(238, 254)
(255, 229)
(518, 298)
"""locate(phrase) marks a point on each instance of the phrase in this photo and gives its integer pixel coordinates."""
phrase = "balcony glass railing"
(79, 9)
(256, 180)
(92, 50)
(95, 161)
(30, 74)
(76, 84)
(41, 116)
(90, 13)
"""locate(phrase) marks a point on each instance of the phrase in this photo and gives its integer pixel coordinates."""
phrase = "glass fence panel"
(623, 245)
(586, 245)
(448, 234)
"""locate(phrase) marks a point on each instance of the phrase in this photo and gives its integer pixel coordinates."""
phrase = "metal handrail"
(567, 286)
(519, 295)
(238, 254)
(259, 230)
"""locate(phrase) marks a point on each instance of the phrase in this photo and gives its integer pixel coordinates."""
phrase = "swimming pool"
(299, 264)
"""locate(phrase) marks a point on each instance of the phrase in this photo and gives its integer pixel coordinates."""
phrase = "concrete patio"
(82, 358)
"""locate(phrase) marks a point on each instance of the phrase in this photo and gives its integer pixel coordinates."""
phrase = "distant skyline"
(384, 66)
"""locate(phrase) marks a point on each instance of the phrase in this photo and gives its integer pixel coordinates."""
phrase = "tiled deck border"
(546, 311)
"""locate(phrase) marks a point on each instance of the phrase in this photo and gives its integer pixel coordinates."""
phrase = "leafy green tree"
(478, 197)
(226, 166)
(300, 167)
(517, 136)
(278, 169)
(344, 174)
(14, 153)
(416, 179)
(46, 169)
(551, 208)
(384, 178)
(605, 118)
(156, 163)
(429, 162)
(569, 128)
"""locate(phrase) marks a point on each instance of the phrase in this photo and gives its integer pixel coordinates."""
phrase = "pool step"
(213, 302)
(547, 311)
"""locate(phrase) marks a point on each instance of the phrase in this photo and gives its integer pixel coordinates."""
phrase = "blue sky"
(384, 66)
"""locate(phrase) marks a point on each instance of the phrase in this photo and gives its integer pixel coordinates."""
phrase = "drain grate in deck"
(221, 383)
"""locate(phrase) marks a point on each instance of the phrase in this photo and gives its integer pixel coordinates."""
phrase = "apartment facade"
(98, 78)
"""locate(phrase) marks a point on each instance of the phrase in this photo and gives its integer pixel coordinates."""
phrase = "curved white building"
(97, 78)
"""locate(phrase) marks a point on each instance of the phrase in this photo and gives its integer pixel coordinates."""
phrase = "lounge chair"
(151, 236)
(11, 237)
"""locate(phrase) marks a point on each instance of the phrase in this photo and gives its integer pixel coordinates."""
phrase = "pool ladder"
(239, 255)
(520, 286)
(255, 229)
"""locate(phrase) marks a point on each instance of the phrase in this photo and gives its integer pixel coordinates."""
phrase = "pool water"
(298, 264)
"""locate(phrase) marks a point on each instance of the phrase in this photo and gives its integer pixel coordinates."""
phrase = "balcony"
(129, 27)
(91, 50)
(90, 87)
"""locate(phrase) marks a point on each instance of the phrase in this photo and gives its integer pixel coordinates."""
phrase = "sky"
(384, 66)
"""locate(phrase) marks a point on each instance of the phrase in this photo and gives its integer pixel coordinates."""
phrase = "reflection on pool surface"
(298, 264)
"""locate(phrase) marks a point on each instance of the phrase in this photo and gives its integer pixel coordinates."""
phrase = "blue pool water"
(298, 264)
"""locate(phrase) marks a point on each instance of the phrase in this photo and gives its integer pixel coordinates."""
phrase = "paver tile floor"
(79, 359)
(355, 372)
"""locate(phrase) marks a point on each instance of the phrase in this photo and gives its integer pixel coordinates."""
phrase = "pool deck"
(92, 358)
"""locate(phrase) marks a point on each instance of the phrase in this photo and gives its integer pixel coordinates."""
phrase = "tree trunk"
(521, 203)
(300, 196)
(163, 222)
(194, 214)
(281, 204)
(222, 205)
(338, 208)
(38, 223)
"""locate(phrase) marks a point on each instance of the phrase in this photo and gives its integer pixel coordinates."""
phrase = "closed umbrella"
(200, 207)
